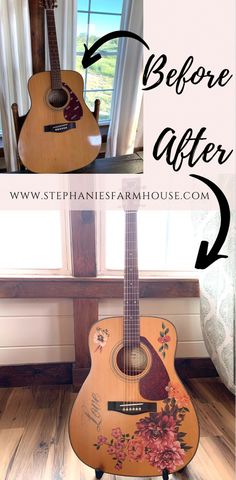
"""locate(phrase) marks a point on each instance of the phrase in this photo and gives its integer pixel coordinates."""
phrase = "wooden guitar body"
(137, 422)
(58, 140)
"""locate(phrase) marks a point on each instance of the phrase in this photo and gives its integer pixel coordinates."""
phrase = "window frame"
(89, 12)
(103, 271)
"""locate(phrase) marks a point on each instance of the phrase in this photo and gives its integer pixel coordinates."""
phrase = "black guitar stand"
(98, 473)
(165, 474)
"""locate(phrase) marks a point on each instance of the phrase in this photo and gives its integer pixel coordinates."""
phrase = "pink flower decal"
(100, 338)
(136, 449)
(101, 440)
(121, 456)
(158, 438)
(117, 448)
(116, 432)
(176, 391)
(166, 455)
(164, 339)
(111, 450)
(157, 426)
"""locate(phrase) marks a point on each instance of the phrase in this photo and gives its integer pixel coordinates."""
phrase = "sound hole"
(132, 360)
(58, 98)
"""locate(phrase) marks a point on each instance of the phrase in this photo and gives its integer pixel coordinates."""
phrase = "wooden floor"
(34, 442)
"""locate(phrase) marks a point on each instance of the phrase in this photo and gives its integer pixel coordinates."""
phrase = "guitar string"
(136, 296)
(129, 293)
(132, 327)
(128, 312)
(134, 273)
(126, 307)
(126, 351)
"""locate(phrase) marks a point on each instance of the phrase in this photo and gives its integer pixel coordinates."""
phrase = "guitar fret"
(53, 51)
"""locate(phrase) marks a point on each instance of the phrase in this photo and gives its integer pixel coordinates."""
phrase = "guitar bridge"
(60, 127)
(132, 408)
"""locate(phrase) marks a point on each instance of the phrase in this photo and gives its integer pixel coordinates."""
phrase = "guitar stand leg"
(98, 473)
(165, 474)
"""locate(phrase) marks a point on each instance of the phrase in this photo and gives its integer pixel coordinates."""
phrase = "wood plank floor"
(34, 443)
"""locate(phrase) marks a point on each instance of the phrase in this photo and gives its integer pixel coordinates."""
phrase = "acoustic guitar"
(133, 415)
(60, 133)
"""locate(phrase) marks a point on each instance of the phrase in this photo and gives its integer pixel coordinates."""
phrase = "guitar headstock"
(48, 4)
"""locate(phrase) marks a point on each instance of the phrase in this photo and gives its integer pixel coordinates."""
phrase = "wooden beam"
(94, 288)
(40, 374)
(37, 26)
(85, 315)
(61, 373)
(83, 238)
(83, 243)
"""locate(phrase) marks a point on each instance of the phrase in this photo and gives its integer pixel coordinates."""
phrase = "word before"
(181, 78)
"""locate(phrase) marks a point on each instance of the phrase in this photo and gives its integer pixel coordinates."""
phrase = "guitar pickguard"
(153, 385)
(73, 111)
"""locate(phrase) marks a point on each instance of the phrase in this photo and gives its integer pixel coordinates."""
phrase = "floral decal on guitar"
(100, 338)
(164, 339)
(158, 438)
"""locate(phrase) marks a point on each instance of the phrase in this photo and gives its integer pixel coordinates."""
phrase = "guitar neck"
(53, 51)
(131, 282)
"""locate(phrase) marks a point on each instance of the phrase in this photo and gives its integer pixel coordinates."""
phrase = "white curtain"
(217, 294)
(126, 107)
(66, 24)
(15, 69)
(16, 60)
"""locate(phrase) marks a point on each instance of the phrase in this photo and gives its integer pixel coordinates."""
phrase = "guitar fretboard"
(131, 282)
(53, 51)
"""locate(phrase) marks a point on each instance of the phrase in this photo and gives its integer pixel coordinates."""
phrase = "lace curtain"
(126, 113)
(217, 287)
(15, 69)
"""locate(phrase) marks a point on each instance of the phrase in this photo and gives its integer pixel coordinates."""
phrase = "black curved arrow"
(88, 60)
(205, 258)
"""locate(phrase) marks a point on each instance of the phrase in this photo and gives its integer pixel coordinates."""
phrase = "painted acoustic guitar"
(60, 133)
(133, 415)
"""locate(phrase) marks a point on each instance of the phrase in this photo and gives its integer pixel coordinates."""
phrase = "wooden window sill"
(94, 287)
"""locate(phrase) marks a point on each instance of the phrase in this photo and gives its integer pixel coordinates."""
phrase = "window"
(166, 243)
(0, 129)
(34, 243)
(96, 18)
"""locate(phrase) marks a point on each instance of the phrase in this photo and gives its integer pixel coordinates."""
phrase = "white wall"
(36, 331)
(41, 331)
(184, 313)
